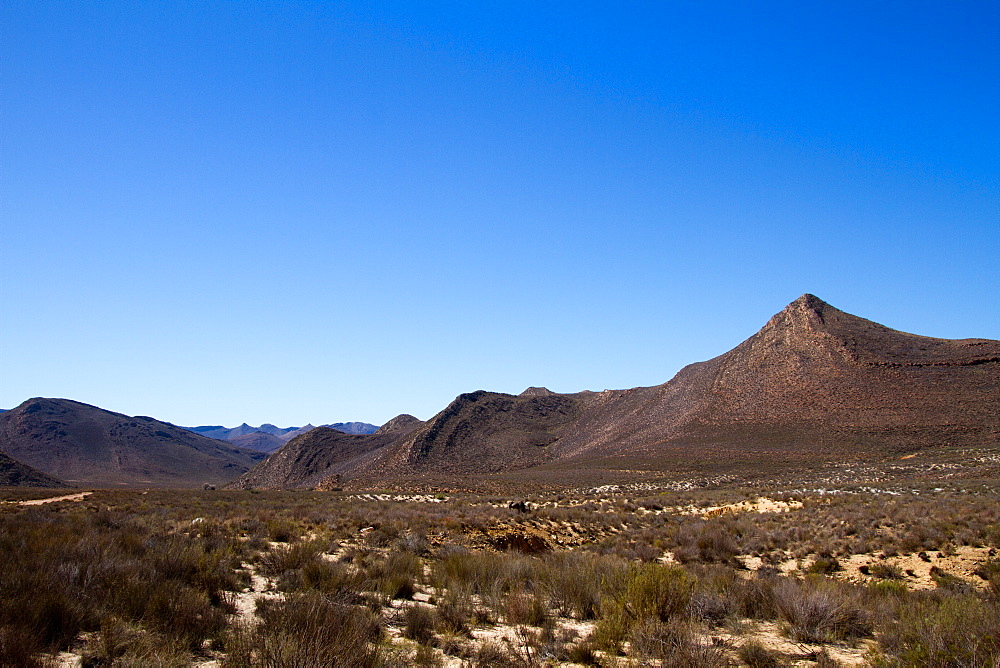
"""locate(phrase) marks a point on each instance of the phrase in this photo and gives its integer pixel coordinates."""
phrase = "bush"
(886, 571)
(522, 607)
(418, 623)
(574, 579)
(296, 556)
(708, 542)
(956, 631)
(492, 654)
(824, 565)
(455, 609)
(306, 630)
(395, 577)
(949, 582)
(757, 598)
(820, 611)
(649, 592)
(18, 648)
(756, 655)
(660, 592)
(672, 644)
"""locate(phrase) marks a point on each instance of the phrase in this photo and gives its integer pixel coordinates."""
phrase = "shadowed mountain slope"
(86, 445)
(15, 474)
(488, 432)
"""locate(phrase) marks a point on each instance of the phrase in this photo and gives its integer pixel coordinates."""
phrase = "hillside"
(814, 383)
(89, 446)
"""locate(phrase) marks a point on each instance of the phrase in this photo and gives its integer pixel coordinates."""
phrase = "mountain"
(353, 427)
(239, 435)
(89, 446)
(813, 383)
(228, 434)
(322, 455)
(15, 474)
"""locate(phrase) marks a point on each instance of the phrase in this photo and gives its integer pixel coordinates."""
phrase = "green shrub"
(824, 565)
(574, 581)
(949, 582)
(649, 591)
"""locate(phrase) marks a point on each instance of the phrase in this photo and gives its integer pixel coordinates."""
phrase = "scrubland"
(903, 574)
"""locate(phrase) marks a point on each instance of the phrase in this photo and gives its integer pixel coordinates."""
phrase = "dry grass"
(124, 577)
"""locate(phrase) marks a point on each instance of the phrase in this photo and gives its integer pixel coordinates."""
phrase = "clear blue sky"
(307, 211)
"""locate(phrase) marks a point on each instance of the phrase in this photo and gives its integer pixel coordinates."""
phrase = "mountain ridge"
(813, 382)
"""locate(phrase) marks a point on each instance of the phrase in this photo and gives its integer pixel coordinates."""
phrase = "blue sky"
(305, 211)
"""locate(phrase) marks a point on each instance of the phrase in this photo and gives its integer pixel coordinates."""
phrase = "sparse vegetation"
(271, 578)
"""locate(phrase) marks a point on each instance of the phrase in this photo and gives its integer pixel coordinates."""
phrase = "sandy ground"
(53, 499)
(769, 634)
(917, 571)
(759, 505)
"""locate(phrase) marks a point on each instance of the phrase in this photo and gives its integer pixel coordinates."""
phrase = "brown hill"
(86, 445)
(488, 432)
(813, 380)
(15, 474)
(813, 383)
(322, 455)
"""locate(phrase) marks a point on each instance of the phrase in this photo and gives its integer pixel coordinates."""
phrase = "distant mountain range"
(268, 438)
(815, 384)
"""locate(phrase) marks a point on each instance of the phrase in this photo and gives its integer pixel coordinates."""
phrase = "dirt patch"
(759, 505)
(53, 499)
(771, 636)
(921, 572)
